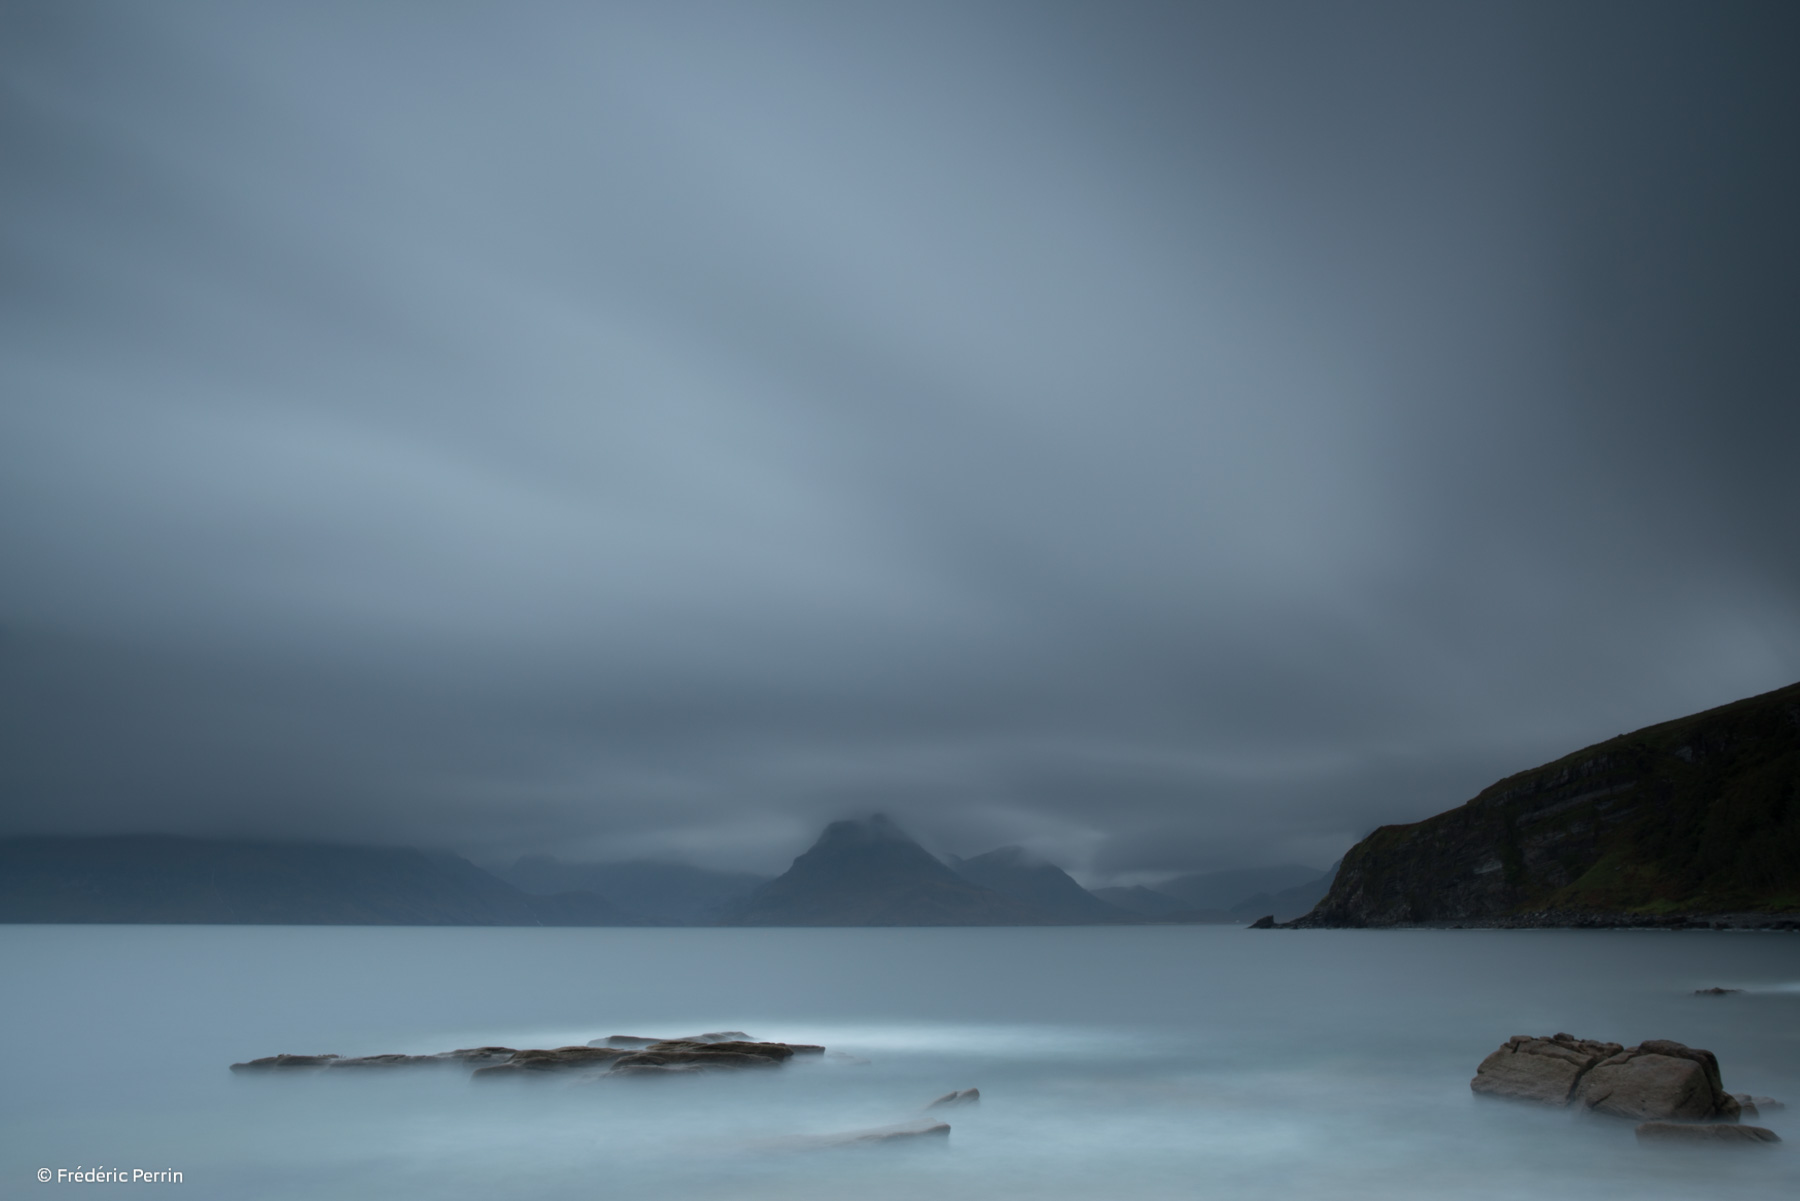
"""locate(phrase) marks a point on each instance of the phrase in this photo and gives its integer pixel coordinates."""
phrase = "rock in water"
(1544, 1070)
(680, 1056)
(1749, 1106)
(922, 1131)
(1266, 922)
(560, 1059)
(268, 1062)
(1656, 1080)
(962, 1096)
(1715, 991)
(1717, 1134)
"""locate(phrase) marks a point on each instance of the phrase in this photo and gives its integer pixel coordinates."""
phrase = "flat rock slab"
(705, 1052)
(1541, 1070)
(1706, 1134)
(284, 1061)
(924, 1132)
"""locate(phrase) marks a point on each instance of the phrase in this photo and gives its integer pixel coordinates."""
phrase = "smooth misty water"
(1113, 1063)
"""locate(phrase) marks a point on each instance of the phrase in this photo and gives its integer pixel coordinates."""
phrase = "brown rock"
(1718, 1134)
(1658, 1079)
(1542, 1070)
(534, 1062)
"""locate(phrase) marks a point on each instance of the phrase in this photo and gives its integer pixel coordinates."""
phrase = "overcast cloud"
(1171, 437)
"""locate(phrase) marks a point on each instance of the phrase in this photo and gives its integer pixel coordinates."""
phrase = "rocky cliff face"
(1700, 815)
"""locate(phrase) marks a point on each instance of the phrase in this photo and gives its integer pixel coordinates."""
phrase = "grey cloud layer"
(1168, 437)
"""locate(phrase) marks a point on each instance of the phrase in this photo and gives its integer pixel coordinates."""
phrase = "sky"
(1170, 437)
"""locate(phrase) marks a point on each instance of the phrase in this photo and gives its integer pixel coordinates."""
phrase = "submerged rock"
(962, 1096)
(1715, 992)
(1749, 1106)
(922, 1131)
(1541, 1070)
(1658, 1079)
(1717, 1134)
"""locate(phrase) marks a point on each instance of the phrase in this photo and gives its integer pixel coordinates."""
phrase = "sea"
(1113, 1063)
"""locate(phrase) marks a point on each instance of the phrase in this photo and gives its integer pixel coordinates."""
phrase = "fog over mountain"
(1165, 438)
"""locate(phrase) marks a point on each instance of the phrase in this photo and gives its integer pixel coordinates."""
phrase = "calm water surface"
(1113, 1063)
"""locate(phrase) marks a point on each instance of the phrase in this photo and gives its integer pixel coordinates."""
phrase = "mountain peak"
(869, 872)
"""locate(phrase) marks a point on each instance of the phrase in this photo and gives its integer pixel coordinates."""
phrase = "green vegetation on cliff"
(1694, 816)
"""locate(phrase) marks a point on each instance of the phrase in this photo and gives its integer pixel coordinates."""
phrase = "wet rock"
(962, 1096)
(1750, 1105)
(477, 1055)
(637, 1042)
(560, 1059)
(923, 1131)
(389, 1061)
(1541, 1070)
(1716, 992)
(683, 1055)
(1716, 1134)
(270, 1062)
(1658, 1080)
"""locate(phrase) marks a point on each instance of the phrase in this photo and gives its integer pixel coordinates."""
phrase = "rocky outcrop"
(962, 1096)
(672, 1057)
(1657, 1079)
(619, 1055)
(284, 1061)
(559, 1059)
(1675, 824)
(1706, 1134)
(1542, 1070)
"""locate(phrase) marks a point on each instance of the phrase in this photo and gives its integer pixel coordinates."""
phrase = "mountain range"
(865, 872)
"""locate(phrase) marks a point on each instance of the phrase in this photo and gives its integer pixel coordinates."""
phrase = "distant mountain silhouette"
(869, 873)
(1226, 889)
(1012, 872)
(160, 878)
(1146, 902)
(1288, 903)
(675, 893)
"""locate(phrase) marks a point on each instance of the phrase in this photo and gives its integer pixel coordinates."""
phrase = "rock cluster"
(619, 1055)
(1660, 1083)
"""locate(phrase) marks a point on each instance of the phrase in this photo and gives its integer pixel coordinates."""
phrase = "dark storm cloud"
(1170, 436)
